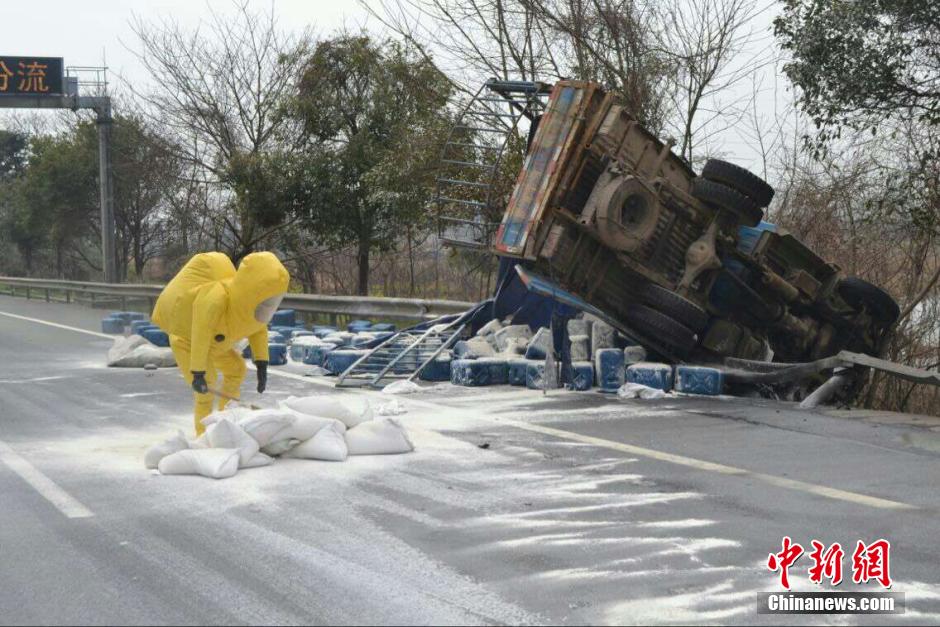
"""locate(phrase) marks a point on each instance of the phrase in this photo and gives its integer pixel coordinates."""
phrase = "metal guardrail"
(365, 306)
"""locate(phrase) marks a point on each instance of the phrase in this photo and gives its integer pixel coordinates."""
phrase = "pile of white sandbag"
(324, 427)
(135, 351)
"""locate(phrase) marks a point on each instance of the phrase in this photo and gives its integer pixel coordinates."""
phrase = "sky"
(99, 33)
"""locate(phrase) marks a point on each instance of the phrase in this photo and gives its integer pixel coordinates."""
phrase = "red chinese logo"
(826, 564)
(869, 562)
(784, 559)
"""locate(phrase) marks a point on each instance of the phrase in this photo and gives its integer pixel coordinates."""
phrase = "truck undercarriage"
(682, 263)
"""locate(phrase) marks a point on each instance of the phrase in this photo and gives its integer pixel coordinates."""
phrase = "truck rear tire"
(671, 304)
(860, 294)
(661, 328)
(729, 199)
(739, 179)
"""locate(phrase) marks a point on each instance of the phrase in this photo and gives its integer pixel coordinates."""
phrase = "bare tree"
(873, 206)
(676, 64)
(217, 89)
(708, 44)
(472, 40)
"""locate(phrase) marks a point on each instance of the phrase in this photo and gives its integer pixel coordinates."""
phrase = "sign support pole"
(106, 184)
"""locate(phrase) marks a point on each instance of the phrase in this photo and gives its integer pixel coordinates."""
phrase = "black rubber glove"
(199, 383)
(262, 367)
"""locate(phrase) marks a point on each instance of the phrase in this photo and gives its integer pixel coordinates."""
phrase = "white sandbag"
(327, 445)
(638, 390)
(302, 428)
(226, 434)
(263, 425)
(158, 451)
(235, 414)
(350, 410)
(316, 371)
(279, 447)
(123, 345)
(402, 387)
(385, 436)
(159, 356)
(200, 442)
(136, 351)
(259, 460)
(305, 426)
(216, 463)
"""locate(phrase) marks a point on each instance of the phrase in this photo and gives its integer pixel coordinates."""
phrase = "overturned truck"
(682, 263)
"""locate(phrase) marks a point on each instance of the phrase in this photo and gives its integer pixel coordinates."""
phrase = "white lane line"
(56, 325)
(47, 488)
(699, 464)
(691, 462)
(34, 379)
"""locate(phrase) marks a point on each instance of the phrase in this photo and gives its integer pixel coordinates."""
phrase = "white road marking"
(691, 462)
(58, 326)
(47, 488)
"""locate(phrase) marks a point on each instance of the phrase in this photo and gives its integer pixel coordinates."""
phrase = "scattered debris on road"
(136, 351)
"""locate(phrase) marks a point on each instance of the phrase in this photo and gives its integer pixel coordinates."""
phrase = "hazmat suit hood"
(260, 278)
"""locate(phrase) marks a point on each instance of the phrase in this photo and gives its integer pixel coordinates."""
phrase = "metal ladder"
(468, 188)
(402, 356)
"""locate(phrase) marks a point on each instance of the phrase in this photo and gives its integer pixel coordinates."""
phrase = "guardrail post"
(68, 296)
(92, 294)
(47, 294)
(27, 292)
(123, 303)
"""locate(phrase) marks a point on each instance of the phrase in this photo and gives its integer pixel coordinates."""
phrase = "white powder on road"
(33, 380)
(365, 523)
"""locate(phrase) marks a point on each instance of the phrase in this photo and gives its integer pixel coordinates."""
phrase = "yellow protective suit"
(207, 308)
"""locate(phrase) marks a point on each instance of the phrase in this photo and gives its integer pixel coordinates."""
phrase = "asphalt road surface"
(516, 507)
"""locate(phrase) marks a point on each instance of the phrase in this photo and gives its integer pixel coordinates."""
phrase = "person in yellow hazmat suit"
(207, 308)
